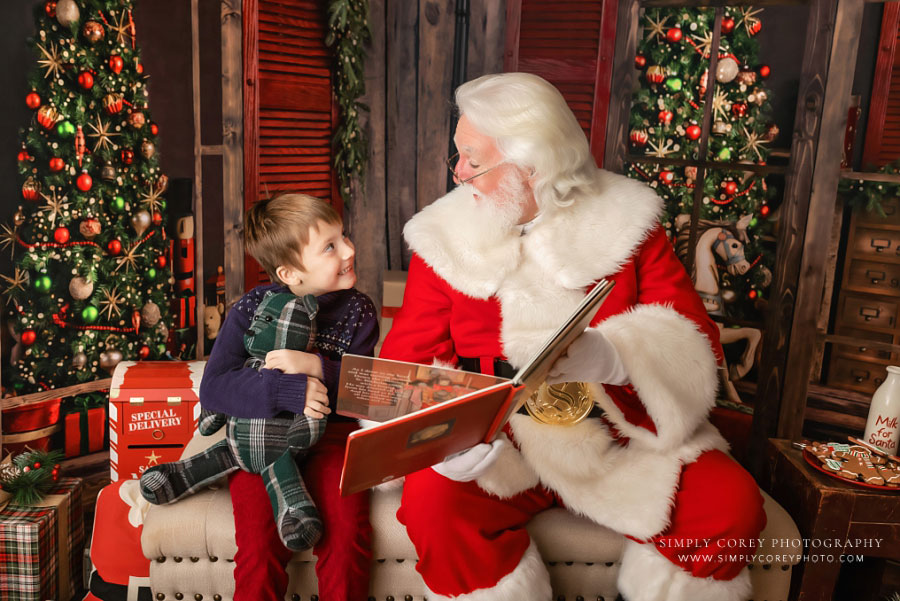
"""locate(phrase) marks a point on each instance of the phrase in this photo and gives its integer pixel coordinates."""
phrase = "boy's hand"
(294, 362)
(316, 399)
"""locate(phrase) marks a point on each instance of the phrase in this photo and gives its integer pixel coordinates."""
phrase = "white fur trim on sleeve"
(509, 475)
(672, 367)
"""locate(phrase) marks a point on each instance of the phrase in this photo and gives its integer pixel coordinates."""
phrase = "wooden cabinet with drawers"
(869, 301)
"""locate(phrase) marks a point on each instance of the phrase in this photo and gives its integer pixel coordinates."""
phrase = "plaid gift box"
(41, 546)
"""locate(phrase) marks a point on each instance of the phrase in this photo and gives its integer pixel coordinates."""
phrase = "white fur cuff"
(672, 367)
(509, 475)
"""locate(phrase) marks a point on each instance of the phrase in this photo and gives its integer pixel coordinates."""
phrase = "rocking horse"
(720, 241)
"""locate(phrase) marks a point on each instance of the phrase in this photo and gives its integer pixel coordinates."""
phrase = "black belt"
(504, 370)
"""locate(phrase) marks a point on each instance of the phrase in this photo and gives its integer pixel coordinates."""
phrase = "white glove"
(472, 463)
(590, 358)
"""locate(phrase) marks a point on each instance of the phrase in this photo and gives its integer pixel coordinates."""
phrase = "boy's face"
(327, 263)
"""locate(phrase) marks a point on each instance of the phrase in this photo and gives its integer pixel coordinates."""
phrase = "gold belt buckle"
(563, 404)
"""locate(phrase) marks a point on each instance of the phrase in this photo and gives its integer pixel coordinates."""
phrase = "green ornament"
(724, 154)
(674, 84)
(151, 273)
(43, 283)
(18, 385)
(65, 129)
(753, 222)
(118, 204)
(90, 314)
(161, 349)
(162, 204)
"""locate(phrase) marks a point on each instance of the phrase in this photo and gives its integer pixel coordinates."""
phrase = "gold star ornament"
(51, 61)
(111, 301)
(102, 133)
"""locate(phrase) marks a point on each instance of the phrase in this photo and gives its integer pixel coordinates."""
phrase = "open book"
(427, 413)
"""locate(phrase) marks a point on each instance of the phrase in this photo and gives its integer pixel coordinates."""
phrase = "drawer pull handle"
(895, 282)
(880, 245)
(860, 375)
(875, 276)
(863, 349)
(869, 313)
(889, 209)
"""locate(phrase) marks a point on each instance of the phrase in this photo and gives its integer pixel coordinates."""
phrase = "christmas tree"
(666, 122)
(91, 282)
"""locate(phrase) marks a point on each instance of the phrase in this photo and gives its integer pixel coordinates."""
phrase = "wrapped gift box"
(85, 426)
(41, 546)
(153, 412)
(31, 426)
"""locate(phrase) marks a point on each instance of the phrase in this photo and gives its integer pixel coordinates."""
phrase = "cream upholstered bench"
(191, 548)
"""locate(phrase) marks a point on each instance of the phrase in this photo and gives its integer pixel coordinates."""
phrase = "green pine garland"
(348, 21)
(870, 195)
(30, 476)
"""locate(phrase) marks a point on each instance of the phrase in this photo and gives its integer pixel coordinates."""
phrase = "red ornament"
(640, 61)
(37, 465)
(84, 182)
(161, 261)
(86, 80)
(28, 337)
(127, 156)
(157, 218)
(754, 27)
(154, 128)
(57, 164)
(114, 247)
(47, 116)
(116, 64)
(638, 137)
(113, 103)
(666, 177)
(23, 155)
(751, 294)
(730, 188)
(674, 35)
(727, 25)
(764, 71)
(739, 109)
(61, 235)
(144, 352)
(765, 210)
(50, 8)
(693, 131)
(665, 117)
(31, 189)
(33, 100)
(139, 68)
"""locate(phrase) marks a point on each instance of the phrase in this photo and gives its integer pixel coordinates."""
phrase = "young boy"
(299, 241)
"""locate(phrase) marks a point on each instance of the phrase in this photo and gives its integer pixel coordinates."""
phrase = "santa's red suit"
(652, 468)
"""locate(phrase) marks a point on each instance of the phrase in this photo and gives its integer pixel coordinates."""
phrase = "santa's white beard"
(505, 205)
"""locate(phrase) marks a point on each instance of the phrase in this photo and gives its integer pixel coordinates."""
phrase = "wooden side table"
(828, 510)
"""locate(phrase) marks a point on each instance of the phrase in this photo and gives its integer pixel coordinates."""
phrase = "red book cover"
(426, 413)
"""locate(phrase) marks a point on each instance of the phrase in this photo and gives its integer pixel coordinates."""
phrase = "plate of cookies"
(856, 463)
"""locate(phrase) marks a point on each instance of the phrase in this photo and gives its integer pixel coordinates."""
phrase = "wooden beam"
(487, 32)
(366, 212)
(232, 151)
(400, 136)
(719, 3)
(866, 342)
(624, 77)
(716, 165)
(888, 178)
(437, 21)
(848, 24)
(213, 149)
(513, 30)
(773, 399)
(606, 56)
(250, 85)
(57, 393)
(198, 176)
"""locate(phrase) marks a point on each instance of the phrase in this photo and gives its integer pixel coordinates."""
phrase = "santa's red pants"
(467, 539)
(343, 555)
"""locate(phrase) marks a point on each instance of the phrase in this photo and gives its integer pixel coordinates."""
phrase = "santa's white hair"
(534, 128)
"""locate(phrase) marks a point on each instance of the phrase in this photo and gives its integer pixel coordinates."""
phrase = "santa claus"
(498, 264)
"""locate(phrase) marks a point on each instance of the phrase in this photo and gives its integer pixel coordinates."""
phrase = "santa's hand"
(471, 463)
(590, 358)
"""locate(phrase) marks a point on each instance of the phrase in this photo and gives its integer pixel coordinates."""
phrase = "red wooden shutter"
(571, 44)
(289, 116)
(883, 129)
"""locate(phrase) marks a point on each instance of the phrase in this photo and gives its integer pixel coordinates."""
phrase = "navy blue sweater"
(346, 323)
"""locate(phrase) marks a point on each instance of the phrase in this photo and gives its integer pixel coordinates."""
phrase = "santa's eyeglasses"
(451, 165)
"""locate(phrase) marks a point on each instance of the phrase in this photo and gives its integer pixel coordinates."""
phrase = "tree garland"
(870, 195)
(348, 22)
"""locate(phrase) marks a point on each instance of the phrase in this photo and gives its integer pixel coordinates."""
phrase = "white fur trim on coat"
(672, 367)
(530, 581)
(509, 475)
(646, 575)
(475, 255)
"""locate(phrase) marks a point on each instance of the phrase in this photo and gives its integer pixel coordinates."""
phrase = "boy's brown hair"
(277, 229)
